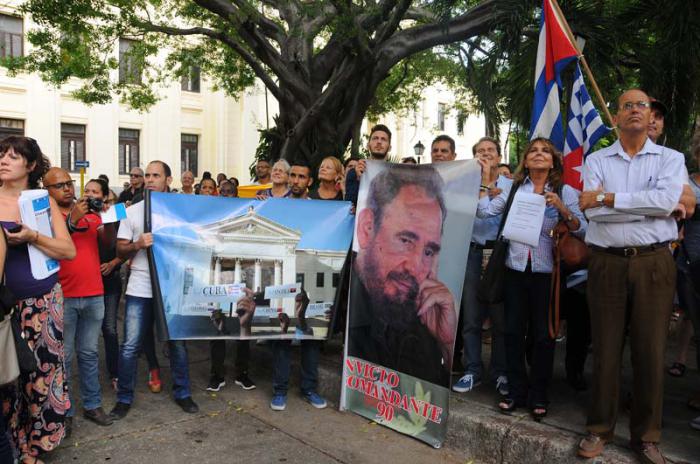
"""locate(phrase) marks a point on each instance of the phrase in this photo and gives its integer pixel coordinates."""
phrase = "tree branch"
(477, 20)
(255, 65)
(258, 44)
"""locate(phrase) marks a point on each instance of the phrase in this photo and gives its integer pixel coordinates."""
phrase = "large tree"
(322, 60)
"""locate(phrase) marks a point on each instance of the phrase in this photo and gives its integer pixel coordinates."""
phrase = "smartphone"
(14, 229)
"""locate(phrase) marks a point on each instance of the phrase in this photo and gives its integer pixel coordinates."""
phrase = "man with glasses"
(632, 190)
(134, 193)
(83, 303)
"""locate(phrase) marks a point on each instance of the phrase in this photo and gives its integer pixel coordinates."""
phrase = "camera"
(95, 204)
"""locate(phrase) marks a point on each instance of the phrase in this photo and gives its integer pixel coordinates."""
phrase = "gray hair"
(387, 184)
(284, 163)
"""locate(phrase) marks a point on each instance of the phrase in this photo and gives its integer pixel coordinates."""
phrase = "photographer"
(83, 290)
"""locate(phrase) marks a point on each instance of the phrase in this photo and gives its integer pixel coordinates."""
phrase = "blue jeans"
(310, 350)
(82, 319)
(138, 318)
(473, 318)
(110, 335)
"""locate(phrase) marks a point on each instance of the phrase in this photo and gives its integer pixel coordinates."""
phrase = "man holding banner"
(132, 243)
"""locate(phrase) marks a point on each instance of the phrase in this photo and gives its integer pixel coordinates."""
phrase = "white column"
(278, 272)
(257, 281)
(278, 281)
(237, 272)
(217, 271)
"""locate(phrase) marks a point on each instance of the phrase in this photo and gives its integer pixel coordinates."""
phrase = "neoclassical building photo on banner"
(259, 252)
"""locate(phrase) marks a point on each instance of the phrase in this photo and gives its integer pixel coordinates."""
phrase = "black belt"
(477, 246)
(631, 251)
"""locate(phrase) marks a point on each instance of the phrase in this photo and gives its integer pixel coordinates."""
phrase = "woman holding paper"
(39, 404)
(529, 268)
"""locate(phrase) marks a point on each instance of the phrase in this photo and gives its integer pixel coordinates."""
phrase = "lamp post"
(418, 149)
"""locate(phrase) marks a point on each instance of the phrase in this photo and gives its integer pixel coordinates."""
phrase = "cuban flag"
(585, 127)
(554, 52)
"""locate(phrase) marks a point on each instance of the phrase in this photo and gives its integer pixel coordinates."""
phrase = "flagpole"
(586, 68)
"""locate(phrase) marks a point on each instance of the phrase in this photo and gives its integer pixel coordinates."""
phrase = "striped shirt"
(647, 188)
(541, 257)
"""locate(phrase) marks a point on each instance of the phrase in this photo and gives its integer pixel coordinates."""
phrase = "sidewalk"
(234, 425)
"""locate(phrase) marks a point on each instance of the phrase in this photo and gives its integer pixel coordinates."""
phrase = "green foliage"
(629, 43)
(80, 39)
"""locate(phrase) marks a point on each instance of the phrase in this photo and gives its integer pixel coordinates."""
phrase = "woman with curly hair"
(35, 408)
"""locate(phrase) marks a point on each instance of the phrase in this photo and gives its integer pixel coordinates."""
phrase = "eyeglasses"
(628, 106)
(135, 175)
(60, 185)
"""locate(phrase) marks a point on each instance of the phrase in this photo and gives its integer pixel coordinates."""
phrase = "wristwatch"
(600, 198)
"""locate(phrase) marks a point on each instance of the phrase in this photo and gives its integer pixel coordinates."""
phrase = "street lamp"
(418, 149)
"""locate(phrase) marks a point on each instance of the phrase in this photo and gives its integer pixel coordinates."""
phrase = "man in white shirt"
(632, 190)
(132, 243)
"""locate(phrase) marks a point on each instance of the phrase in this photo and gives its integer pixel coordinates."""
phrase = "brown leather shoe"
(98, 416)
(591, 446)
(648, 453)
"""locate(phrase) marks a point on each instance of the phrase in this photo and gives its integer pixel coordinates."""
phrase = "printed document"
(525, 218)
(35, 211)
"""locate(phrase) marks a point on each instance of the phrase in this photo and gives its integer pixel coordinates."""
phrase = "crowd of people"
(636, 213)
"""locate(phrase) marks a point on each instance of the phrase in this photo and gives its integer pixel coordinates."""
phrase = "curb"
(476, 430)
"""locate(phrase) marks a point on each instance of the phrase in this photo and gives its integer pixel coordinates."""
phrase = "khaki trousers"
(637, 290)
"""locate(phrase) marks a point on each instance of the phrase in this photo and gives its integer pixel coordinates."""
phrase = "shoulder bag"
(490, 290)
(570, 254)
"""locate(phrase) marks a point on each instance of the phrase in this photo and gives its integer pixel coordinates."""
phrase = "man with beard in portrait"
(402, 317)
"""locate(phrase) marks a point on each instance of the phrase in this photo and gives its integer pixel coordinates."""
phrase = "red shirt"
(80, 276)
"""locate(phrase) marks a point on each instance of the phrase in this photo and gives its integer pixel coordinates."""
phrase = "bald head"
(633, 112)
(60, 186)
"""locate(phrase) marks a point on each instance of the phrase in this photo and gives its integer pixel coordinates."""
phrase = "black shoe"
(577, 382)
(68, 427)
(119, 411)
(245, 382)
(98, 416)
(187, 405)
(215, 384)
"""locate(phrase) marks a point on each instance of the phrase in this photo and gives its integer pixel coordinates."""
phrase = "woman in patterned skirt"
(35, 408)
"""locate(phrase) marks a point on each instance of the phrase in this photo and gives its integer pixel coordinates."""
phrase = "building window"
(190, 81)
(189, 153)
(10, 127)
(442, 110)
(11, 42)
(129, 67)
(320, 279)
(336, 279)
(128, 150)
(72, 146)
(300, 279)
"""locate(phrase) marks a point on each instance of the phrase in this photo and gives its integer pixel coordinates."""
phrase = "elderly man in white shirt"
(632, 191)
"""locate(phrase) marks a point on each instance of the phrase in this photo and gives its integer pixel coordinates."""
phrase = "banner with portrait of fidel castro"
(412, 232)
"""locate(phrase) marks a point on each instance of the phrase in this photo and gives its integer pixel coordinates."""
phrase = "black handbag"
(490, 289)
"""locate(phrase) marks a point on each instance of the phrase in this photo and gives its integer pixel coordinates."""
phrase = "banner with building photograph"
(410, 248)
(207, 250)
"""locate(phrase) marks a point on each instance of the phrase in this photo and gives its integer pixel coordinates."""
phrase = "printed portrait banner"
(410, 248)
(207, 250)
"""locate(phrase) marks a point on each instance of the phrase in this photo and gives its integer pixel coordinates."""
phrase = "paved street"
(234, 424)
